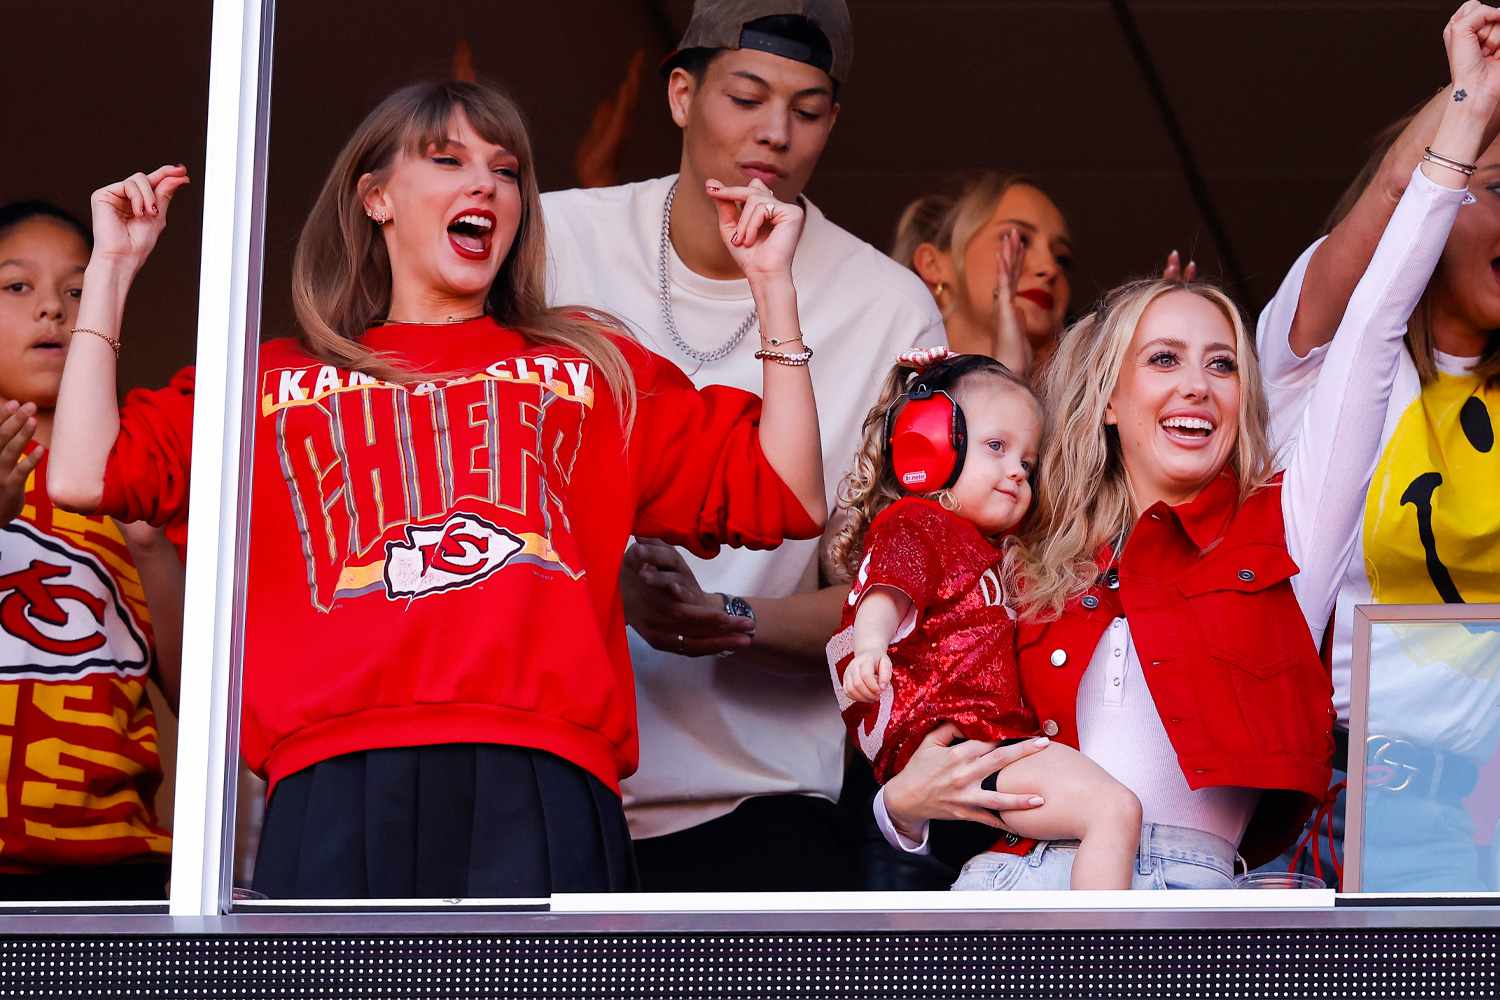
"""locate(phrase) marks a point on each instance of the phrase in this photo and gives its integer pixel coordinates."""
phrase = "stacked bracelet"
(113, 342)
(791, 360)
(1467, 169)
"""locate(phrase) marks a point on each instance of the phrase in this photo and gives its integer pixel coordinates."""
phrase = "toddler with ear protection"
(942, 477)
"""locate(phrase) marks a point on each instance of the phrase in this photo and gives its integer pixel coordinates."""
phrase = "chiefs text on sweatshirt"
(438, 562)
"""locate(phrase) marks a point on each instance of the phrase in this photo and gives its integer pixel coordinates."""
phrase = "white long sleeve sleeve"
(1333, 454)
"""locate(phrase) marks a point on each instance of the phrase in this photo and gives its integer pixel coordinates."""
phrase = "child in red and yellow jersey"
(78, 739)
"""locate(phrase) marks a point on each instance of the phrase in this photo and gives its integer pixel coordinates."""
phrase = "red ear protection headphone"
(926, 437)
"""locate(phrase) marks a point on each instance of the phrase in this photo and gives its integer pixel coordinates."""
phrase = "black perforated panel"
(1271, 964)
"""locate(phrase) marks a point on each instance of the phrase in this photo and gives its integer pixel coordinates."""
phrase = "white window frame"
(229, 283)
(234, 187)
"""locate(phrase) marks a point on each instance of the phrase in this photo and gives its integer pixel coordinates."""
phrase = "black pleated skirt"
(455, 820)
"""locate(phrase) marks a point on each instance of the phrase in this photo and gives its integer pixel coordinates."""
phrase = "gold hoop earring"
(947, 501)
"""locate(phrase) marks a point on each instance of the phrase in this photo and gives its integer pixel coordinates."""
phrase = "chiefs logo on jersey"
(62, 612)
(457, 553)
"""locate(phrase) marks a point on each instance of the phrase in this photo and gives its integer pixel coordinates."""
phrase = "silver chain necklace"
(702, 357)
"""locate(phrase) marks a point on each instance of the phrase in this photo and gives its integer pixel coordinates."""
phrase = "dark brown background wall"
(1277, 99)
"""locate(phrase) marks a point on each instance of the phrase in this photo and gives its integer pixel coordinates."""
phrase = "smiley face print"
(1432, 521)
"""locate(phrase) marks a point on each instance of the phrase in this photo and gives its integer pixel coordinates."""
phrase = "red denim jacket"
(1225, 648)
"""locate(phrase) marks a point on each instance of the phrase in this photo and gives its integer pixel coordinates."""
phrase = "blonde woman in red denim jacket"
(1175, 587)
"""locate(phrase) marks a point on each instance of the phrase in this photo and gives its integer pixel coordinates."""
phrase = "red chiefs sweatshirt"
(438, 563)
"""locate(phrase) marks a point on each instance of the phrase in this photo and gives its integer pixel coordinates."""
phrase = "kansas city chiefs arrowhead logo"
(460, 552)
(62, 616)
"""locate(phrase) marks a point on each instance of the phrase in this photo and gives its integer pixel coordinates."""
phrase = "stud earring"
(938, 291)
(378, 217)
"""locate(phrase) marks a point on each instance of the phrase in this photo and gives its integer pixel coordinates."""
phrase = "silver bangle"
(1467, 169)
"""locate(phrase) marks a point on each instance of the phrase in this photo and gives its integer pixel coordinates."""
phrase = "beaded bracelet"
(113, 342)
(790, 360)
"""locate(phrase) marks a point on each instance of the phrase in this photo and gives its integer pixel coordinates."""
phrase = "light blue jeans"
(1170, 857)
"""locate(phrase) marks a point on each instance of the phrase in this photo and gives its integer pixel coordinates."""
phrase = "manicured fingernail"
(1041, 741)
(1037, 800)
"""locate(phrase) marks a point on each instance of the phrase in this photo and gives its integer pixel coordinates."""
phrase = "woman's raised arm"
(761, 235)
(1338, 264)
(128, 218)
(1329, 468)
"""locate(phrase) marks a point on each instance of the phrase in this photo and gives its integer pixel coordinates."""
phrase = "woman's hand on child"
(129, 215)
(16, 431)
(868, 674)
(760, 232)
(942, 779)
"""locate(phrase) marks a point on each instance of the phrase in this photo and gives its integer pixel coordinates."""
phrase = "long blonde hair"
(871, 487)
(1083, 499)
(341, 275)
(1419, 328)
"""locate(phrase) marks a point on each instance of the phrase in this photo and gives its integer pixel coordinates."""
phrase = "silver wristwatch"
(740, 608)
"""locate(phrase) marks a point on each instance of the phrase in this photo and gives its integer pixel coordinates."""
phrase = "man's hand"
(664, 603)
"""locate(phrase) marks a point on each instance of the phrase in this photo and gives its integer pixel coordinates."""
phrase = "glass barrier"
(1424, 776)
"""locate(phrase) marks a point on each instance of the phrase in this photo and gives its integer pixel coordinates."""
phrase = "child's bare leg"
(1083, 803)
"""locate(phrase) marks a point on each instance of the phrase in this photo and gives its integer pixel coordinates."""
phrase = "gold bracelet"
(774, 342)
(113, 342)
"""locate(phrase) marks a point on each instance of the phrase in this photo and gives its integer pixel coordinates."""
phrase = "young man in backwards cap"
(742, 753)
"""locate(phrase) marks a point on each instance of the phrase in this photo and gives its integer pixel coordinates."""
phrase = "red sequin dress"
(953, 658)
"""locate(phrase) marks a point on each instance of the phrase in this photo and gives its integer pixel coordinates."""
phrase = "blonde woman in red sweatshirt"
(446, 475)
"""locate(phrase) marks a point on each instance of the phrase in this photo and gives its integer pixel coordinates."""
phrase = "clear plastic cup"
(1278, 880)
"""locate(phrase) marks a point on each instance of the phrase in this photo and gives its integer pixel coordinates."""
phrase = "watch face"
(739, 607)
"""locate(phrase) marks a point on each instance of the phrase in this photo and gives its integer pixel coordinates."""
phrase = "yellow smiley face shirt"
(1432, 522)
(1431, 535)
